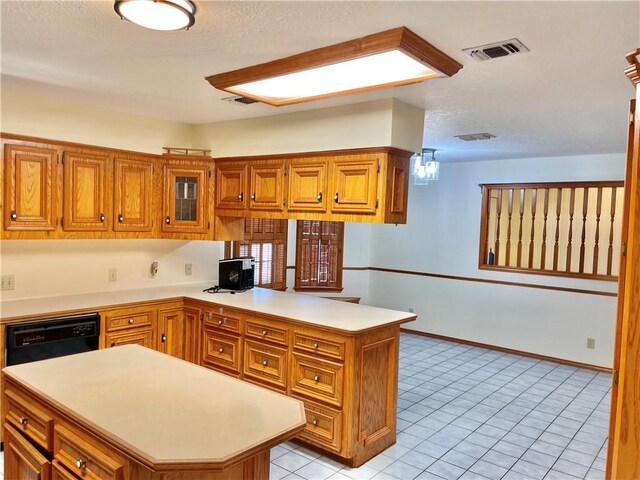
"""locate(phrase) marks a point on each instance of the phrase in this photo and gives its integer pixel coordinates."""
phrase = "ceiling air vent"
(496, 50)
(470, 137)
(239, 99)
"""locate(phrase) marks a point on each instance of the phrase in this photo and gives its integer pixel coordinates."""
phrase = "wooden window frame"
(298, 287)
(578, 217)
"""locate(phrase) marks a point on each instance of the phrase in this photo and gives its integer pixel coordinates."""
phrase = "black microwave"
(236, 273)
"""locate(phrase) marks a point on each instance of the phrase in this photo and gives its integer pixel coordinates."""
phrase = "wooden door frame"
(623, 461)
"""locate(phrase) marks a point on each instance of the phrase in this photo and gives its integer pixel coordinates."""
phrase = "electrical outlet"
(591, 343)
(411, 310)
(8, 282)
(188, 269)
(113, 274)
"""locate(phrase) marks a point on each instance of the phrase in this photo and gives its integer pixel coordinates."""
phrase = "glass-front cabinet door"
(185, 205)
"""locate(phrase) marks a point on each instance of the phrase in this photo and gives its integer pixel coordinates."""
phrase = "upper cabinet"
(185, 205)
(85, 194)
(361, 185)
(30, 188)
(133, 194)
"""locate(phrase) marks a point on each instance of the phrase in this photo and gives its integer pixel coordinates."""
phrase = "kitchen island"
(340, 359)
(133, 413)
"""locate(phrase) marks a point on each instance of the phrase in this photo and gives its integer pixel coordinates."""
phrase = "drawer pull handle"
(120, 218)
(264, 332)
(315, 345)
(315, 423)
(164, 338)
(221, 350)
(316, 378)
(23, 420)
(14, 215)
(81, 464)
(265, 363)
(319, 197)
(102, 217)
(131, 321)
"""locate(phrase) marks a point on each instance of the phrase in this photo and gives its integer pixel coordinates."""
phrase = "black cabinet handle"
(102, 218)
(167, 220)
(336, 198)
(14, 215)
(319, 197)
(120, 218)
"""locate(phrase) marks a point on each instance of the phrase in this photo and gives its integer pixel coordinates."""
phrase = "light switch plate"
(188, 269)
(8, 282)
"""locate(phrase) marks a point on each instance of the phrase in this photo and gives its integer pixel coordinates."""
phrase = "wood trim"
(537, 271)
(319, 153)
(545, 358)
(400, 38)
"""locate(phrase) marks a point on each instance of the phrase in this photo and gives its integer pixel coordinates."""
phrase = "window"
(319, 255)
(570, 229)
(265, 240)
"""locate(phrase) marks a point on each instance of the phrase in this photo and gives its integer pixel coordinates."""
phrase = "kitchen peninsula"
(133, 413)
(340, 359)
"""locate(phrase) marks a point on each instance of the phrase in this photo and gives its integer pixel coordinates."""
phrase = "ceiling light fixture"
(425, 169)
(391, 58)
(157, 14)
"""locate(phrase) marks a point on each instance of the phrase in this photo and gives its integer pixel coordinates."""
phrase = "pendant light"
(163, 15)
(425, 169)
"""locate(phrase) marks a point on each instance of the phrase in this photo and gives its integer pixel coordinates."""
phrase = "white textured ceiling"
(567, 96)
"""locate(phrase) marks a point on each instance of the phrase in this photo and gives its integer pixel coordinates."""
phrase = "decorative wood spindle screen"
(319, 255)
(569, 228)
(265, 239)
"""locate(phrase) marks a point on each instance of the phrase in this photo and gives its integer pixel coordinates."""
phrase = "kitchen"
(370, 119)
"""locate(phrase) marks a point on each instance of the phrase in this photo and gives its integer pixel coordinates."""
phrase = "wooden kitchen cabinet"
(231, 186)
(192, 328)
(266, 184)
(354, 180)
(30, 188)
(307, 190)
(132, 325)
(86, 192)
(171, 332)
(133, 194)
(22, 460)
(185, 206)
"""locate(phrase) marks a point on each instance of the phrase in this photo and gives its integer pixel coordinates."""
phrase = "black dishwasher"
(56, 337)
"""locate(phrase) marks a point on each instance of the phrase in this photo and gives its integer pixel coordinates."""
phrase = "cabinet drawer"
(221, 350)
(222, 321)
(266, 332)
(132, 320)
(30, 420)
(265, 363)
(133, 336)
(316, 378)
(316, 344)
(324, 426)
(85, 459)
(58, 472)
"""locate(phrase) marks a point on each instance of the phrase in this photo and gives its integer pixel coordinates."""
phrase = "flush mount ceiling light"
(391, 58)
(158, 14)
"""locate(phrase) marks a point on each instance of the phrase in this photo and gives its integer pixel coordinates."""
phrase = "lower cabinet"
(22, 460)
(133, 336)
(171, 332)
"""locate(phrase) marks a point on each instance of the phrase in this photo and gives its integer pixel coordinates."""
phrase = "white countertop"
(343, 316)
(160, 408)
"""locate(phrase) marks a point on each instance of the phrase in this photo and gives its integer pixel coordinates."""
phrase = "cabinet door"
(267, 186)
(354, 182)
(192, 328)
(85, 192)
(171, 332)
(185, 205)
(134, 336)
(307, 185)
(30, 188)
(231, 185)
(23, 461)
(132, 195)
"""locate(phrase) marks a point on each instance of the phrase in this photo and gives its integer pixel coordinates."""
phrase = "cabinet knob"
(81, 464)
(102, 217)
(167, 220)
(336, 198)
(120, 218)
(264, 332)
(131, 321)
(163, 338)
(241, 197)
(14, 215)
(253, 196)
(319, 197)
(315, 345)
(316, 378)
(265, 363)
(23, 420)
(221, 350)
(315, 423)
(222, 321)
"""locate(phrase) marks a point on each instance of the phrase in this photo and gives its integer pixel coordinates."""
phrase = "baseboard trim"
(508, 350)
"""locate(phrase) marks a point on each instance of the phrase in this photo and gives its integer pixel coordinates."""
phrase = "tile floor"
(471, 413)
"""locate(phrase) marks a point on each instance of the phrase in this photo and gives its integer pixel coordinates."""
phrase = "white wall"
(442, 236)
